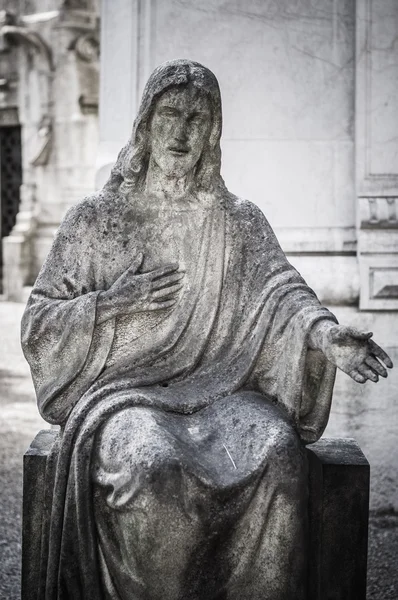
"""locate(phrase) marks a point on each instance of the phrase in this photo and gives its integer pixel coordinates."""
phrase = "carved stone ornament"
(187, 363)
(32, 39)
(87, 47)
(379, 212)
(43, 143)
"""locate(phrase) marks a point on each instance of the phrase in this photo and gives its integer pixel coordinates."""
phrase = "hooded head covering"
(131, 166)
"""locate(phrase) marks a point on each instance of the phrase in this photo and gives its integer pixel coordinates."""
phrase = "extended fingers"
(167, 280)
(164, 293)
(363, 373)
(166, 270)
(161, 305)
(356, 376)
(376, 365)
(369, 369)
(379, 352)
(367, 372)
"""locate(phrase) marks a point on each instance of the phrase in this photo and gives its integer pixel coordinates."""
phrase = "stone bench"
(338, 509)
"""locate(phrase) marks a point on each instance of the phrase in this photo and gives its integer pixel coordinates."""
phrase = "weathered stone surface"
(187, 362)
(34, 472)
(338, 517)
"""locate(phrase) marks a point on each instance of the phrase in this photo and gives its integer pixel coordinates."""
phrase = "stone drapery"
(241, 325)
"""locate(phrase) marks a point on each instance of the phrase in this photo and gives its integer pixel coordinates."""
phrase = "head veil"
(129, 171)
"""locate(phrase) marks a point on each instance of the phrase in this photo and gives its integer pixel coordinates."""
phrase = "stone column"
(376, 143)
(69, 174)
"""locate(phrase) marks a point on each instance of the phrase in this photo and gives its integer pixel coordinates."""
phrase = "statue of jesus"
(187, 363)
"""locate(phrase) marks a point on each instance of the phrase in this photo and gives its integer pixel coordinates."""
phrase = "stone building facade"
(49, 57)
(310, 93)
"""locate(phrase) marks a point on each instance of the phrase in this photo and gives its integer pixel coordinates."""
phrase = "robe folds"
(241, 325)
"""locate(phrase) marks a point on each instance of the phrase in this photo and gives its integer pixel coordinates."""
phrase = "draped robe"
(236, 340)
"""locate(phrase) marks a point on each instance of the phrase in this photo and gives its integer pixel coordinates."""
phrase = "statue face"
(180, 126)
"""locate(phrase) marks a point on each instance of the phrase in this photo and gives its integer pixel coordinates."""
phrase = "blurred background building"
(310, 94)
(310, 97)
(49, 61)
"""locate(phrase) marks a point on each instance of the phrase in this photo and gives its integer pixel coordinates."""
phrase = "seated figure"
(187, 364)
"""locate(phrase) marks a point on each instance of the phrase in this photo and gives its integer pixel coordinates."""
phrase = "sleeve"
(60, 339)
(299, 379)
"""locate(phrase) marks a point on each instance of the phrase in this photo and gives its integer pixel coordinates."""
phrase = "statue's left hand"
(355, 353)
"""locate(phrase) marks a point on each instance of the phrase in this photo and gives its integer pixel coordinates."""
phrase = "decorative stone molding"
(376, 141)
(9, 116)
(376, 97)
(87, 47)
(8, 82)
(83, 18)
(379, 282)
(32, 39)
(378, 212)
(378, 252)
(43, 145)
(88, 104)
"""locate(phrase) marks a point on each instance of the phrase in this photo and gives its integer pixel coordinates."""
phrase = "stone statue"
(187, 363)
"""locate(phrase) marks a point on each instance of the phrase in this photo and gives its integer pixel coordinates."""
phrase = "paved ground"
(19, 422)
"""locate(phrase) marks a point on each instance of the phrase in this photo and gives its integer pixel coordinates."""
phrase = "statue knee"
(134, 440)
(285, 451)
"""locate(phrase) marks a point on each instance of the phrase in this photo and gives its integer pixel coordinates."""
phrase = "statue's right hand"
(132, 292)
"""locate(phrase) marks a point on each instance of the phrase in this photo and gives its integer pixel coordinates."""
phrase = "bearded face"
(179, 129)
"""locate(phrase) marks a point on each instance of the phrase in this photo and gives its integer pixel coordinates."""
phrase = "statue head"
(178, 126)
(179, 129)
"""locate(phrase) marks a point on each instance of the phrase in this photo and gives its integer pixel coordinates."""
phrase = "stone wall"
(309, 90)
(286, 71)
(303, 83)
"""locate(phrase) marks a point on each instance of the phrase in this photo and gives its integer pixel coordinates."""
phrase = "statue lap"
(223, 482)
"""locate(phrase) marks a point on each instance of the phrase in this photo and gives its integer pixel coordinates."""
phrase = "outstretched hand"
(356, 354)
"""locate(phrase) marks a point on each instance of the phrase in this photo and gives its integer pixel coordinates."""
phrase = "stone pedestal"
(339, 511)
(34, 472)
(339, 502)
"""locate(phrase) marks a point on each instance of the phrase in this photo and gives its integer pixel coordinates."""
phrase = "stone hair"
(131, 166)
